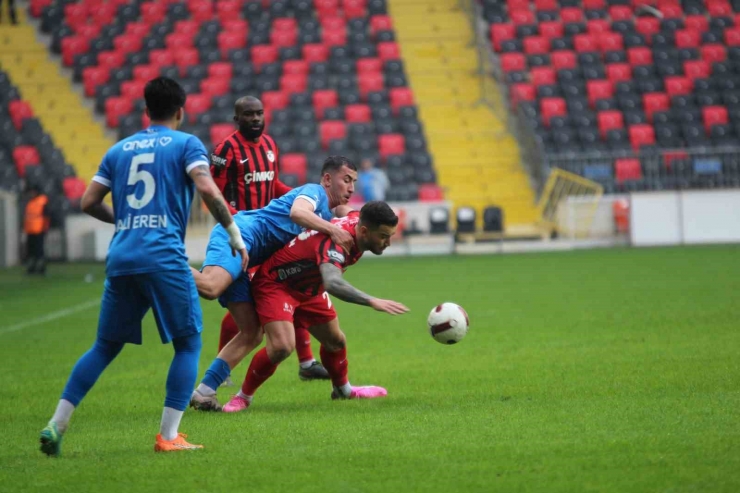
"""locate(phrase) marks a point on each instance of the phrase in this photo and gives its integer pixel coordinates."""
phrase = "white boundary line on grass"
(50, 316)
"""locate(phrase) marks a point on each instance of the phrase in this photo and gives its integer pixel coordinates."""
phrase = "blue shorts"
(218, 253)
(172, 296)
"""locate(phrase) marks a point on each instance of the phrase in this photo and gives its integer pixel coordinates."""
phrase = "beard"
(251, 132)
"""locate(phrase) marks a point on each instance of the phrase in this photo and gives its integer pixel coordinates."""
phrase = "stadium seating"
(328, 72)
(610, 90)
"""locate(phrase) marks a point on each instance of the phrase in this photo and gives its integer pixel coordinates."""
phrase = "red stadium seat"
(732, 36)
(389, 51)
(315, 53)
(176, 41)
(262, 54)
(523, 91)
(104, 13)
(571, 14)
(391, 144)
(511, 62)
(197, 104)
(38, 6)
(296, 67)
(73, 46)
(19, 111)
(219, 132)
(230, 40)
(542, 75)
(696, 69)
(627, 169)
(25, 156)
(153, 12)
(610, 42)
(620, 13)
(549, 29)
(334, 38)
(585, 42)
(647, 26)
(93, 77)
(294, 164)
(640, 55)
(655, 101)
(500, 33)
(521, 17)
(552, 107)
(331, 130)
(283, 39)
(227, 9)
(89, 31)
(430, 193)
(401, 96)
(236, 25)
(697, 23)
(594, 4)
(186, 57)
(687, 38)
(161, 58)
(293, 83)
(598, 89)
(619, 72)
(678, 85)
(713, 53)
(714, 115)
(285, 24)
(380, 23)
(671, 11)
(609, 120)
(222, 70)
(515, 5)
(334, 23)
(73, 188)
(187, 27)
(536, 45)
(76, 14)
(357, 113)
(598, 26)
(640, 135)
(128, 43)
(354, 9)
(324, 99)
(111, 59)
(133, 89)
(369, 65)
(275, 100)
(200, 10)
(145, 72)
(719, 9)
(215, 86)
(370, 82)
(325, 8)
(563, 60)
(550, 5)
(115, 108)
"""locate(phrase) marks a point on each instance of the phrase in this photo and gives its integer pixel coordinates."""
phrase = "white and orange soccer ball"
(448, 323)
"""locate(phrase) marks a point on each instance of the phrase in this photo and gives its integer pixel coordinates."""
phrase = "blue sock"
(216, 373)
(88, 369)
(183, 371)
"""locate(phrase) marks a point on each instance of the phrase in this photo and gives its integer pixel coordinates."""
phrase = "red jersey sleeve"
(220, 161)
(330, 253)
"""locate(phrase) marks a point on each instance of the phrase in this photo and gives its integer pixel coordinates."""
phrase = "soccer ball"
(448, 323)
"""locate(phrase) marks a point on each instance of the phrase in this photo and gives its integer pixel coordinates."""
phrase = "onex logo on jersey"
(139, 144)
(258, 176)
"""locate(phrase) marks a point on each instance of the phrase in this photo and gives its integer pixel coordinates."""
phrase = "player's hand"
(388, 306)
(343, 238)
(245, 258)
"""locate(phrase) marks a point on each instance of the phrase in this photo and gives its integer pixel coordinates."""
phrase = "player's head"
(165, 100)
(338, 177)
(376, 227)
(249, 115)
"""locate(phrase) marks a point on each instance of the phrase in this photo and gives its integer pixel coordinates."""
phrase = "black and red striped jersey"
(296, 265)
(247, 172)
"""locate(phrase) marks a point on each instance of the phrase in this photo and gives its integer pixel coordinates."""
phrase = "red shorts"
(274, 302)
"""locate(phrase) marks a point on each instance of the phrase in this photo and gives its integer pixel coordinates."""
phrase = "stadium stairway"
(476, 159)
(52, 98)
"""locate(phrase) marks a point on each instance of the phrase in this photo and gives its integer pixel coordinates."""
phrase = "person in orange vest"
(35, 225)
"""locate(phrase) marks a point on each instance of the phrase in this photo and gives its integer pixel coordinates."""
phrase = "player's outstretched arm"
(92, 202)
(216, 204)
(336, 285)
(302, 213)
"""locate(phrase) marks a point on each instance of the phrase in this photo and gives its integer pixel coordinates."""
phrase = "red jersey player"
(245, 168)
(295, 283)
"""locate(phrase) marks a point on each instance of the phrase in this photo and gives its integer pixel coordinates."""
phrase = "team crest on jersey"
(271, 156)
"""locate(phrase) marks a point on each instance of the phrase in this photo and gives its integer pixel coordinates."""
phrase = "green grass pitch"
(600, 371)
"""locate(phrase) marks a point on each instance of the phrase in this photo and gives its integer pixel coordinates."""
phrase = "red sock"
(229, 329)
(303, 345)
(336, 364)
(260, 369)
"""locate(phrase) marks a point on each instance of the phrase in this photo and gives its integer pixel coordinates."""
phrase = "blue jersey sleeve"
(195, 154)
(314, 194)
(104, 174)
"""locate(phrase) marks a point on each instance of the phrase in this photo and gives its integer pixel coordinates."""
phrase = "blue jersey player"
(264, 232)
(152, 176)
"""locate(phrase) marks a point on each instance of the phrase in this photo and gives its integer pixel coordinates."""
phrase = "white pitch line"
(50, 316)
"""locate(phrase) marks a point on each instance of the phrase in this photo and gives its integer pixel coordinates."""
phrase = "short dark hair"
(377, 213)
(332, 164)
(163, 98)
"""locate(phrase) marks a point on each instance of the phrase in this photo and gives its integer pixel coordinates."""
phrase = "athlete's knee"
(109, 349)
(190, 344)
(335, 341)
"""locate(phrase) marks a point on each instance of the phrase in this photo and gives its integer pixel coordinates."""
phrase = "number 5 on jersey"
(135, 175)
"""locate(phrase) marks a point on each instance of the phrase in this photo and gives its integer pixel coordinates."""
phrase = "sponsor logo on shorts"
(287, 307)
